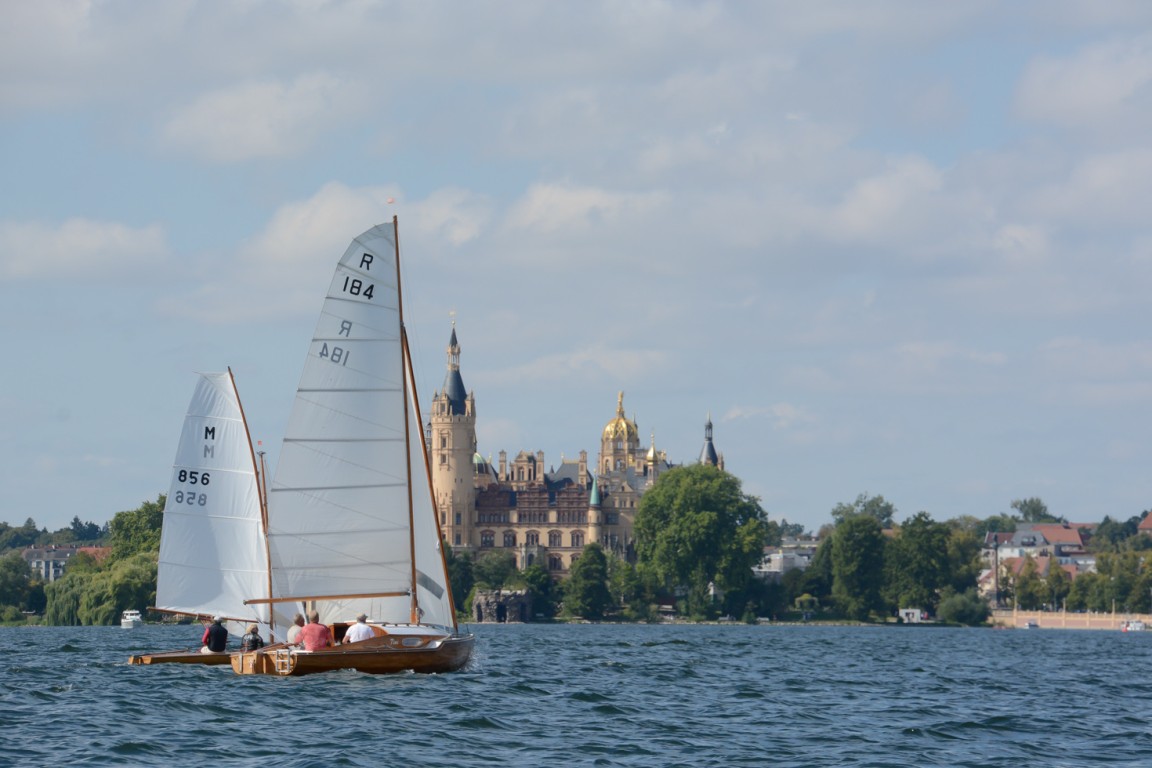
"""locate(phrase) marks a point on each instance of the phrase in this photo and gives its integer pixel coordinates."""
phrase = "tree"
(791, 530)
(460, 575)
(696, 526)
(586, 590)
(137, 530)
(873, 506)
(1029, 587)
(966, 608)
(858, 566)
(919, 566)
(544, 592)
(84, 531)
(1112, 535)
(494, 568)
(1058, 583)
(15, 580)
(1033, 510)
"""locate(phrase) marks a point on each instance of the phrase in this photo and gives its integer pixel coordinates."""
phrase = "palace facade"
(541, 516)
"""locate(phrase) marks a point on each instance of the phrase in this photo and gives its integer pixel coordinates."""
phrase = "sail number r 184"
(356, 287)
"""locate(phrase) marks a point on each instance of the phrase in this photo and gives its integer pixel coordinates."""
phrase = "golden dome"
(620, 428)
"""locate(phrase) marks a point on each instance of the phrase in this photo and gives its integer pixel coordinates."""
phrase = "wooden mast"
(405, 367)
(261, 495)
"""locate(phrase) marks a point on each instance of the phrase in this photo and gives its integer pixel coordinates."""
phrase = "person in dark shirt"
(252, 640)
(215, 638)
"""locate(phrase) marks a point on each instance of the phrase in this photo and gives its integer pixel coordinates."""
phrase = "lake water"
(599, 695)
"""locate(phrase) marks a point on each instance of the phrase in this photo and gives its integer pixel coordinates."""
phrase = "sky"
(889, 248)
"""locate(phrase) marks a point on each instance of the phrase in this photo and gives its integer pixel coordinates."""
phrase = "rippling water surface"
(593, 695)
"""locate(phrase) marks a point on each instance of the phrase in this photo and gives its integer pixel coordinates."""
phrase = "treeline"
(698, 536)
(91, 591)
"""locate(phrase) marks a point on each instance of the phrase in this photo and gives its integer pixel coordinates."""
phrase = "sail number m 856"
(192, 498)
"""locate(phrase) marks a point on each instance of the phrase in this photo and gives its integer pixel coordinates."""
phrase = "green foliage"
(965, 608)
(15, 580)
(586, 589)
(1114, 536)
(460, 576)
(696, 526)
(495, 569)
(137, 530)
(873, 506)
(544, 591)
(965, 560)
(858, 566)
(97, 597)
(1033, 510)
(791, 530)
(918, 563)
(19, 538)
(1029, 587)
(84, 531)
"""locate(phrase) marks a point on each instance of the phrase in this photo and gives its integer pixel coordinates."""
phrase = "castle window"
(487, 539)
(577, 539)
(555, 563)
(532, 538)
(509, 539)
(457, 539)
(554, 538)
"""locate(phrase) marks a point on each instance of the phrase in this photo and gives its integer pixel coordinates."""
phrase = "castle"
(544, 517)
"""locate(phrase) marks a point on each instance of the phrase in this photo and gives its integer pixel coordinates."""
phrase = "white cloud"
(78, 248)
(782, 416)
(261, 119)
(594, 364)
(555, 208)
(1098, 85)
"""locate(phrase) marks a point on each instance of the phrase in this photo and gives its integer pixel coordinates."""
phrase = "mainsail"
(213, 554)
(352, 525)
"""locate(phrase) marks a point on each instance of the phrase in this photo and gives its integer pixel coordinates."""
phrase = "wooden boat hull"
(180, 657)
(382, 655)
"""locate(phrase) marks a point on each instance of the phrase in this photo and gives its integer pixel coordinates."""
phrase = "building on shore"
(542, 515)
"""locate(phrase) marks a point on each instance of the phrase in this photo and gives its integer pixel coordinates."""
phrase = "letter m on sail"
(209, 449)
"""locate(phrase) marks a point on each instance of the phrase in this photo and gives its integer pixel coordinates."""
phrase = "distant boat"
(1031, 624)
(131, 619)
(213, 552)
(1133, 626)
(352, 524)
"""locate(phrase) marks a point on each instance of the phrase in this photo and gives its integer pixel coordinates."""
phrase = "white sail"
(342, 503)
(212, 550)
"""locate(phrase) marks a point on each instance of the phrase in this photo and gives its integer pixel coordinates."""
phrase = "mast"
(261, 494)
(405, 367)
(428, 478)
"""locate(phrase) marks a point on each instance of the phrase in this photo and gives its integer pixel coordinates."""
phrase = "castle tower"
(708, 454)
(453, 448)
(595, 515)
(620, 443)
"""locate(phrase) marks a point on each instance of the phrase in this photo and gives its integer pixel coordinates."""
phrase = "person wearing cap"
(252, 640)
(315, 635)
(359, 631)
(215, 638)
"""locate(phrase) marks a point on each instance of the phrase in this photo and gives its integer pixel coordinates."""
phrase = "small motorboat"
(131, 619)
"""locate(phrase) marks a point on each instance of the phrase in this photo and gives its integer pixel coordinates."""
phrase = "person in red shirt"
(315, 635)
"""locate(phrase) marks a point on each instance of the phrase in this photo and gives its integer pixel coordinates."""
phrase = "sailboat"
(213, 551)
(352, 523)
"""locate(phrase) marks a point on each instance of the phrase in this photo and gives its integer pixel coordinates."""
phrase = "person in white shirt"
(358, 631)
